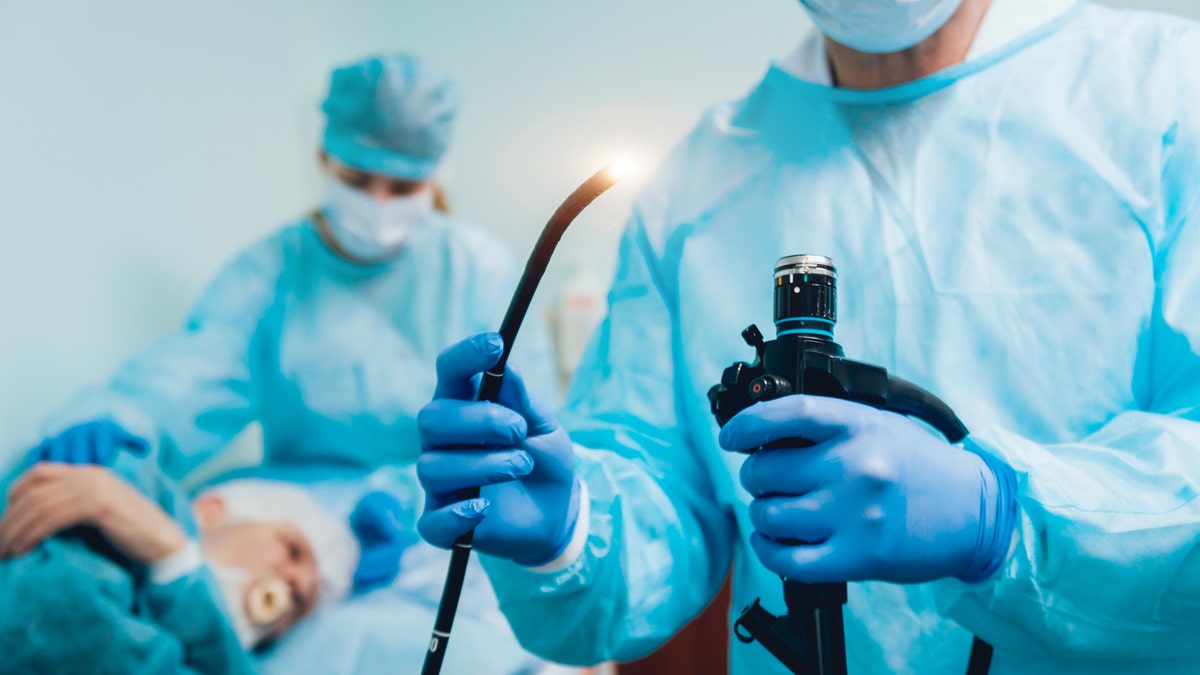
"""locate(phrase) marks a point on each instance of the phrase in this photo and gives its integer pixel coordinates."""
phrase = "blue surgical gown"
(333, 359)
(73, 605)
(1020, 234)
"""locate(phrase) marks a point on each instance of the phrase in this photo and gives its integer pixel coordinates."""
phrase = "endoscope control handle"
(778, 634)
(906, 398)
(754, 337)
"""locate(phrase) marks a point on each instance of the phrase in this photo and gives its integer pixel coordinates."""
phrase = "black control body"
(804, 359)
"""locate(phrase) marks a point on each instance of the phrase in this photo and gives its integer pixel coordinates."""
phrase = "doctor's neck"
(853, 69)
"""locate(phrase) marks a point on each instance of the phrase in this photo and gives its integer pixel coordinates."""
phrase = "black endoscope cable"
(489, 388)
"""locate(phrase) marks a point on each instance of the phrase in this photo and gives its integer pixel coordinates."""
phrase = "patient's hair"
(334, 545)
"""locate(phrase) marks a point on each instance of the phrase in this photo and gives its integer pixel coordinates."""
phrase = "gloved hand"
(382, 537)
(876, 497)
(96, 442)
(514, 449)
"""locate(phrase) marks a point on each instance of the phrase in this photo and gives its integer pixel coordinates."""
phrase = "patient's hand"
(52, 497)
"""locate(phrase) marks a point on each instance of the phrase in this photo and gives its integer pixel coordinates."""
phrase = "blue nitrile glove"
(382, 537)
(96, 442)
(876, 497)
(530, 496)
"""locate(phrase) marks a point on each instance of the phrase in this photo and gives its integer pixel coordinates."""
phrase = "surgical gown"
(73, 605)
(1019, 234)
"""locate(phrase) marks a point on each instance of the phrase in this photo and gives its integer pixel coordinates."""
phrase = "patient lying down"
(112, 570)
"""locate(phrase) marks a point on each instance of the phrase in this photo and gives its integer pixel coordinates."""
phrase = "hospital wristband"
(579, 537)
(177, 565)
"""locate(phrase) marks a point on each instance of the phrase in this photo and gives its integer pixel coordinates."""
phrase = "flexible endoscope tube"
(489, 387)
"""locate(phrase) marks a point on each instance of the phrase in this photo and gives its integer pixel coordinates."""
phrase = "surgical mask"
(880, 26)
(256, 605)
(372, 230)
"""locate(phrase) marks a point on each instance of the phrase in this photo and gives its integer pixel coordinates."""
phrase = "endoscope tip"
(619, 168)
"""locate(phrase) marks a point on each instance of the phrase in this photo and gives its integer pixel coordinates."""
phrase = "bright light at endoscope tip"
(619, 168)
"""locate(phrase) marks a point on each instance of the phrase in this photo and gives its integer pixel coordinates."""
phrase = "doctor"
(1009, 189)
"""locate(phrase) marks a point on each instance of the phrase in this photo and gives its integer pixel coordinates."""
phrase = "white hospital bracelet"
(578, 538)
(179, 564)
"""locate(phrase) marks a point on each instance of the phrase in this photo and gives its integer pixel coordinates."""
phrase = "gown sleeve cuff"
(578, 539)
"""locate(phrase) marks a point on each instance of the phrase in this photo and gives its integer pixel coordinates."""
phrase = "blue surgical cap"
(390, 114)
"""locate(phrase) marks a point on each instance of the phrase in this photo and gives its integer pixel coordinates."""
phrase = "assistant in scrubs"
(326, 333)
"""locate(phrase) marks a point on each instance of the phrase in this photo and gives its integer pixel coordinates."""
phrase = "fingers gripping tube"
(489, 388)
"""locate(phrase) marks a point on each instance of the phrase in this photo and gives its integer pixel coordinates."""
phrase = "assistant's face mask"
(880, 26)
(372, 230)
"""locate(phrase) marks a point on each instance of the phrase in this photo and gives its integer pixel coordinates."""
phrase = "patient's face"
(268, 550)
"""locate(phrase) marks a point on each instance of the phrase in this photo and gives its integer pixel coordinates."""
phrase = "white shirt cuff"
(177, 565)
(578, 537)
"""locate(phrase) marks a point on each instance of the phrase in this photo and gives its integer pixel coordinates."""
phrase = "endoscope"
(804, 359)
(489, 387)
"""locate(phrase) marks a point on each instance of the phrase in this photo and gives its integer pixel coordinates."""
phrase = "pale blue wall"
(142, 143)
